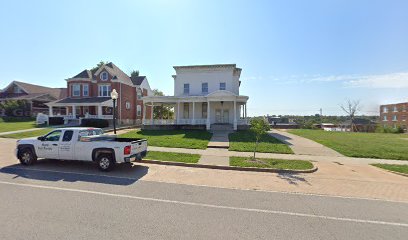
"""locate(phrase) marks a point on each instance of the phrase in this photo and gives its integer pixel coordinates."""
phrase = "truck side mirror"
(41, 138)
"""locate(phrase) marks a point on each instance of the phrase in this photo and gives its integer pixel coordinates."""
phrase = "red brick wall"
(401, 114)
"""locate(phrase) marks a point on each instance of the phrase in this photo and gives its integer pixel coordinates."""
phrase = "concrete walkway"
(217, 150)
(219, 139)
(333, 159)
(20, 131)
(303, 146)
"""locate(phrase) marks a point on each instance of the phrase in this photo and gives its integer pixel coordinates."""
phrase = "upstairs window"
(127, 105)
(76, 90)
(385, 109)
(395, 109)
(139, 93)
(223, 86)
(104, 76)
(394, 118)
(204, 87)
(85, 90)
(186, 88)
(104, 90)
(385, 118)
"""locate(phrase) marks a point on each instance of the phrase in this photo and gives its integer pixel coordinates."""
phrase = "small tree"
(259, 126)
(351, 108)
(161, 112)
(15, 108)
(100, 64)
(134, 74)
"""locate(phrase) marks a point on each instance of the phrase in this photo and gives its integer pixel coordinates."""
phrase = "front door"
(221, 116)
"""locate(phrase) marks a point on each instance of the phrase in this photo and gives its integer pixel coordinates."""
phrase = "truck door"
(48, 148)
(66, 146)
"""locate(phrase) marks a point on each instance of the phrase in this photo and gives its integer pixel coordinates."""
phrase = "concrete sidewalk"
(20, 131)
(341, 159)
(303, 146)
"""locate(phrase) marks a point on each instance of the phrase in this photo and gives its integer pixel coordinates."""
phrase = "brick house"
(88, 96)
(394, 115)
(35, 96)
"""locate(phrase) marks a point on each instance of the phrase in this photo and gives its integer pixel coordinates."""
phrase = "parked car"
(81, 144)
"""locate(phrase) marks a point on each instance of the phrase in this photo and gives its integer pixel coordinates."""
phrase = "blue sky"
(297, 56)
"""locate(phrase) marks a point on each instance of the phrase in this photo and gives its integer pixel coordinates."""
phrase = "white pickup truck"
(82, 144)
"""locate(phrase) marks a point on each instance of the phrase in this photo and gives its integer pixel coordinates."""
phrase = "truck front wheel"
(27, 157)
(105, 162)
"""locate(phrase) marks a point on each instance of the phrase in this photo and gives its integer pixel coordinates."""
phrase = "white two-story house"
(205, 96)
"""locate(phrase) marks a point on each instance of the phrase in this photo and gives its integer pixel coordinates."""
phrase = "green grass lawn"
(34, 133)
(270, 163)
(244, 141)
(369, 145)
(8, 126)
(195, 139)
(393, 167)
(173, 157)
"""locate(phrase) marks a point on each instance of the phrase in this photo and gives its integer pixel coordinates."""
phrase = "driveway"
(303, 146)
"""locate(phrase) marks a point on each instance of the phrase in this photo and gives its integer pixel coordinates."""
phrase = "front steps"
(222, 127)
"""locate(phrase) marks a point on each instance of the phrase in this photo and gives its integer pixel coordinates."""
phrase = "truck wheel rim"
(104, 163)
(26, 157)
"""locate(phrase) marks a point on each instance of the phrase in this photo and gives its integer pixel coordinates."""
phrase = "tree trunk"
(256, 146)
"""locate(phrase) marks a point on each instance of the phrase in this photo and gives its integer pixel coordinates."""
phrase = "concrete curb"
(399, 173)
(247, 169)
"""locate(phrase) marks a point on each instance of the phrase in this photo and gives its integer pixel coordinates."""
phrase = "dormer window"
(223, 86)
(104, 76)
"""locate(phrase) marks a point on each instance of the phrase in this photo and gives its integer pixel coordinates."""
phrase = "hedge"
(95, 122)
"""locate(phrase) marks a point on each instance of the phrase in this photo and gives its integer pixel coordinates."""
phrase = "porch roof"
(220, 95)
(90, 101)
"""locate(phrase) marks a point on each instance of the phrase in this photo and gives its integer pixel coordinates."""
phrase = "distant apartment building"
(394, 115)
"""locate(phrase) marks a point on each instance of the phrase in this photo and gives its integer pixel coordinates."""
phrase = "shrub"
(95, 122)
(381, 129)
(17, 119)
(55, 120)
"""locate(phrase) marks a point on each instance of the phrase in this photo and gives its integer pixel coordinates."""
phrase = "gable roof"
(32, 89)
(84, 74)
(137, 80)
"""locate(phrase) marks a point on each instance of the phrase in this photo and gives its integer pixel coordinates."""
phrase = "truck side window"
(53, 136)
(67, 136)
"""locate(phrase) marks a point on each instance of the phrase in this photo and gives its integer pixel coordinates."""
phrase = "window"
(53, 136)
(139, 93)
(104, 90)
(395, 109)
(139, 110)
(90, 132)
(385, 118)
(186, 111)
(385, 109)
(85, 90)
(67, 136)
(404, 118)
(186, 88)
(204, 110)
(104, 76)
(127, 105)
(76, 90)
(223, 86)
(394, 118)
(17, 89)
(404, 108)
(204, 87)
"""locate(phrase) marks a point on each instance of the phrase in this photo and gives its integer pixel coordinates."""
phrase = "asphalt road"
(46, 204)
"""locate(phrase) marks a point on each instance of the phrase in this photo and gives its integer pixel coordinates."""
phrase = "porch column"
(193, 121)
(74, 111)
(50, 111)
(151, 112)
(99, 111)
(144, 113)
(245, 111)
(178, 112)
(208, 116)
(66, 110)
(235, 115)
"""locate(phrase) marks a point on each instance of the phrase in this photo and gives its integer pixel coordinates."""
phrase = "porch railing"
(174, 121)
(243, 121)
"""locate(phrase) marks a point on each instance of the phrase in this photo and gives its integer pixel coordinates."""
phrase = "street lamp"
(114, 96)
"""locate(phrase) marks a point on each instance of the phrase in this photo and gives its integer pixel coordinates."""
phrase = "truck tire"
(27, 157)
(105, 162)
